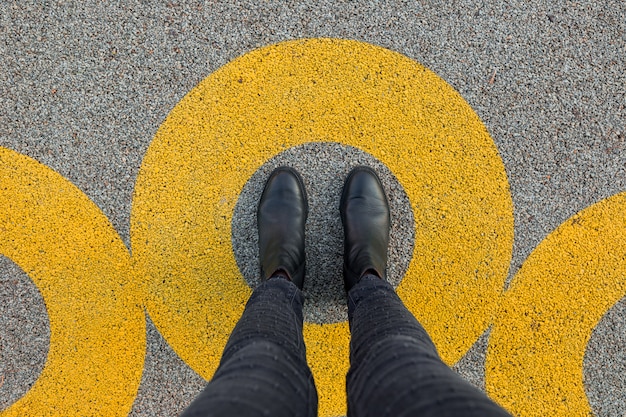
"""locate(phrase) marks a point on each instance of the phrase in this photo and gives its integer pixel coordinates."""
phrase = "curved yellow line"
(82, 268)
(536, 348)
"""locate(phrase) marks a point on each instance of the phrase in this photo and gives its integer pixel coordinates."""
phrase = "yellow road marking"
(322, 90)
(535, 358)
(74, 256)
(184, 271)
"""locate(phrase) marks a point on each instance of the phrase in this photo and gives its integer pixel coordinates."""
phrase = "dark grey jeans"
(395, 368)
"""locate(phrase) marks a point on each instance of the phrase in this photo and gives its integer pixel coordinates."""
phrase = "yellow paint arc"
(82, 269)
(325, 90)
(536, 349)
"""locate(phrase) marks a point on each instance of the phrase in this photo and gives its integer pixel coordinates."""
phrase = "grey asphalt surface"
(85, 85)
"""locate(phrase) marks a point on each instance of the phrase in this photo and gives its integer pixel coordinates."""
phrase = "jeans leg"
(263, 370)
(395, 368)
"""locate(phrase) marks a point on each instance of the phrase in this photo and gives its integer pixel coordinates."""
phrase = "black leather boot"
(281, 217)
(366, 223)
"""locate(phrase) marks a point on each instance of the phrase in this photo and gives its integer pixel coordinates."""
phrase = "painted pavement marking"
(184, 272)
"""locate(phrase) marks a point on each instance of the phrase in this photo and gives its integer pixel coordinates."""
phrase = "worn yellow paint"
(82, 269)
(535, 358)
(325, 90)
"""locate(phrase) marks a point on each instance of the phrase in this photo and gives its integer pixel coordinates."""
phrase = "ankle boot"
(281, 218)
(366, 222)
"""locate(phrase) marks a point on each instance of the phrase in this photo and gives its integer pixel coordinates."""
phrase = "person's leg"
(263, 371)
(395, 368)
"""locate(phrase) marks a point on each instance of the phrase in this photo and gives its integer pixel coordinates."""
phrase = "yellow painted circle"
(534, 365)
(325, 90)
(82, 269)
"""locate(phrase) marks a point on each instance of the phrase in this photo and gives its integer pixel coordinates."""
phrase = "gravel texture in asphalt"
(84, 87)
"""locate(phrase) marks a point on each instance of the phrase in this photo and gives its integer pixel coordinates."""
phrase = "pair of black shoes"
(282, 214)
